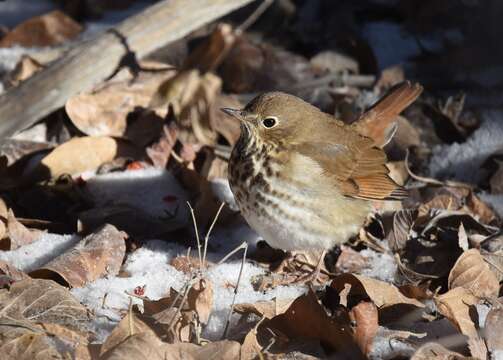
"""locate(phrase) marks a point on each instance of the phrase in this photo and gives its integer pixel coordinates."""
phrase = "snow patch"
(40, 252)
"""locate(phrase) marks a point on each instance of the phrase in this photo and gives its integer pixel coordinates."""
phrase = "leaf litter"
(100, 256)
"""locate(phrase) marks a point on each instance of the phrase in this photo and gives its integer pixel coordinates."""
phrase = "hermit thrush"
(303, 179)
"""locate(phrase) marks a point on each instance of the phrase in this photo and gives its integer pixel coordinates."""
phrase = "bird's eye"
(269, 122)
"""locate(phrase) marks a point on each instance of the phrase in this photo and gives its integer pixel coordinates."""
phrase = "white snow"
(40, 252)
(463, 161)
(380, 266)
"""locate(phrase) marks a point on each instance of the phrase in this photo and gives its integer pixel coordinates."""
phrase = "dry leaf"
(480, 209)
(267, 309)
(142, 346)
(128, 326)
(46, 30)
(496, 180)
(81, 154)
(307, 319)
(95, 256)
(106, 111)
(456, 305)
(185, 264)
(42, 301)
(462, 238)
(148, 347)
(200, 299)
(435, 351)
(472, 273)
(250, 348)
(209, 55)
(24, 69)
(493, 328)
(28, 345)
(18, 235)
(403, 221)
(11, 272)
(381, 293)
(365, 316)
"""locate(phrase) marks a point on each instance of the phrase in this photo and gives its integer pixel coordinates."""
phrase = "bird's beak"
(238, 114)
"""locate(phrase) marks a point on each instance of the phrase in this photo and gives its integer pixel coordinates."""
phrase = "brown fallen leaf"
(17, 235)
(185, 264)
(365, 316)
(250, 348)
(493, 328)
(267, 309)
(457, 305)
(200, 299)
(49, 29)
(148, 347)
(381, 293)
(11, 273)
(33, 301)
(81, 154)
(480, 209)
(209, 54)
(24, 69)
(496, 181)
(403, 222)
(128, 326)
(307, 319)
(192, 97)
(435, 351)
(472, 273)
(26, 344)
(95, 256)
(107, 110)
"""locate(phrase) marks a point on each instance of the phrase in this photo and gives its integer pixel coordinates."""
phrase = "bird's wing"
(357, 168)
(378, 122)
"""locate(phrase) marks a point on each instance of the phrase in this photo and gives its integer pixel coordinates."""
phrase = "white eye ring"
(270, 122)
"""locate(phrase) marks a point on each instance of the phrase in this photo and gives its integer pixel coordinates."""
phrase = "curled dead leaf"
(95, 256)
(42, 301)
(403, 222)
(457, 305)
(128, 326)
(471, 272)
(18, 235)
(365, 316)
(200, 299)
(381, 293)
(267, 309)
(49, 29)
(106, 111)
(81, 154)
(316, 325)
(146, 346)
(493, 328)
(435, 351)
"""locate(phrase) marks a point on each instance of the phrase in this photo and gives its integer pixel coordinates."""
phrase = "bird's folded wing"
(358, 170)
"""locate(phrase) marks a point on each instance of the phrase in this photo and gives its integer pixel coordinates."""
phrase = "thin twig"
(244, 245)
(182, 302)
(130, 312)
(253, 17)
(197, 235)
(207, 237)
(432, 181)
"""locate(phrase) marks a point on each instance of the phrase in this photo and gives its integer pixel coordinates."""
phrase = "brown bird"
(305, 180)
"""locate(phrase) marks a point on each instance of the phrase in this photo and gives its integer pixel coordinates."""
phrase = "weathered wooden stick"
(91, 62)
